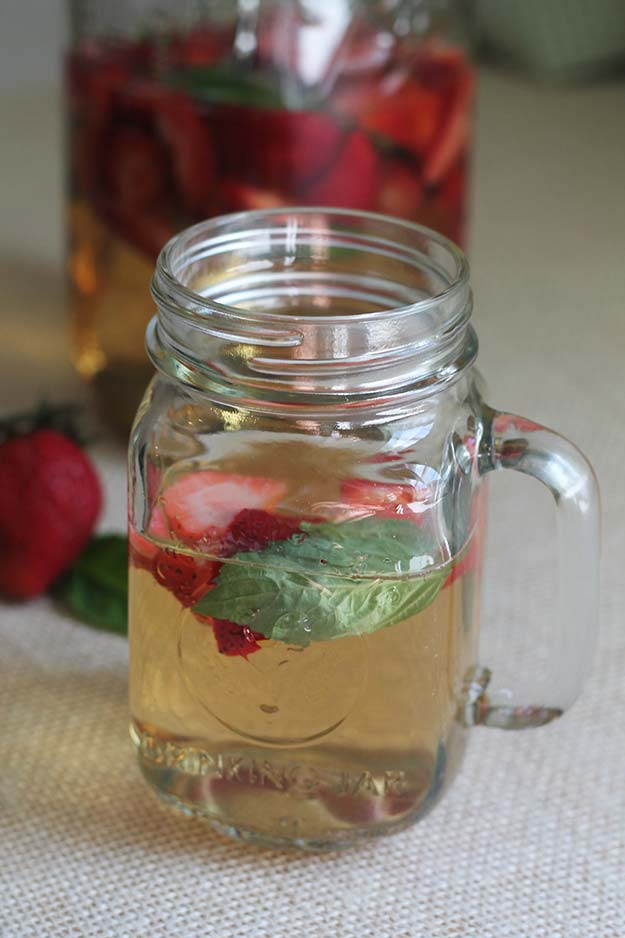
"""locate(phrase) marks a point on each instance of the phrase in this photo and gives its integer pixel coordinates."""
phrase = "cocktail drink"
(307, 525)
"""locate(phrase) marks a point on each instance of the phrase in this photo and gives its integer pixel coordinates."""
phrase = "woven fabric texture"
(530, 840)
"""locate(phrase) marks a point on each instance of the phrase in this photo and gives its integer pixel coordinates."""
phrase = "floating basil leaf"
(332, 581)
(226, 85)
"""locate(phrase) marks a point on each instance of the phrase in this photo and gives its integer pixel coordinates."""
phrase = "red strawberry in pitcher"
(141, 150)
(402, 111)
(401, 189)
(353, 178)
(275, 150)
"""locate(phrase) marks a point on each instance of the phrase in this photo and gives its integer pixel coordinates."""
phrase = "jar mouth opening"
(294, 264)
(292, 302)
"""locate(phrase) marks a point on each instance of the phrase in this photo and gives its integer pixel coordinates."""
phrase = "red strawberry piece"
(199, 48)
(141, 549)
(364, 497)
(136, 169)
(253, 529)
(452, 140)
(275, 150)
(352, 180)
(295, 147)
(199, 506)
(235, 640)
(190, 146)
(50, 499)
(183, 575)
(401, 191)
(141, 151)
(401, 110)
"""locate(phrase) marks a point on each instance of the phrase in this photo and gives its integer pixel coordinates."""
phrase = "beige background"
(530, 841)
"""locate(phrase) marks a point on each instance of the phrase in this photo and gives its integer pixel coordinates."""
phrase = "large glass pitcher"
(182, 111)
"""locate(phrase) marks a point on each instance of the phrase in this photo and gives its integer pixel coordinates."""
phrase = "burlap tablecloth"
(529, 843)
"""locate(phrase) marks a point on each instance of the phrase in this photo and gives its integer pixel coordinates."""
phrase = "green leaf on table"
(332, 581)
(96, 588)
(223, 84)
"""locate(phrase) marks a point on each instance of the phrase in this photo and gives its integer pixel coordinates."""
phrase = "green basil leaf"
(96, 588)
(334, 580)
(226, 85)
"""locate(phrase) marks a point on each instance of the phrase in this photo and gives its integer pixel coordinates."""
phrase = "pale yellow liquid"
(320, 745)
(326, 743)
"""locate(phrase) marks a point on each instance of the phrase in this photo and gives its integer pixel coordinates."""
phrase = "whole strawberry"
(50, 499)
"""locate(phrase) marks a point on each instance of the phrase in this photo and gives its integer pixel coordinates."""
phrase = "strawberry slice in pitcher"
(403, 112)
(401, 190)
(452, 140)
(199, 506)
(353, 178)
(275, 150)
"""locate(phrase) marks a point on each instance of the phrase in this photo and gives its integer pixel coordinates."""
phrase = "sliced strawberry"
(200, 48)
(182, 575)
(136, 173)
(352, 180)
(364, 497)
(253, 529)
(191, 152)
(199, 506)
(275, 150)
(233, 639)
(452, 141)
(409, 115)
(401, 190)
(141, 549)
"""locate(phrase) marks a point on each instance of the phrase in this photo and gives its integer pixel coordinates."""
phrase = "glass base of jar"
(334, 822)
(329, 844)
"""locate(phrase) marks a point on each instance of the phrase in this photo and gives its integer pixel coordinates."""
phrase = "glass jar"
(307, 521)
(180, 114)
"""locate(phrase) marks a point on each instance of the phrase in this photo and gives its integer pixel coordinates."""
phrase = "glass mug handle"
(512, 442)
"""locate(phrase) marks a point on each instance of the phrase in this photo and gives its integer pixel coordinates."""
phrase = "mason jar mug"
(307, 518)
